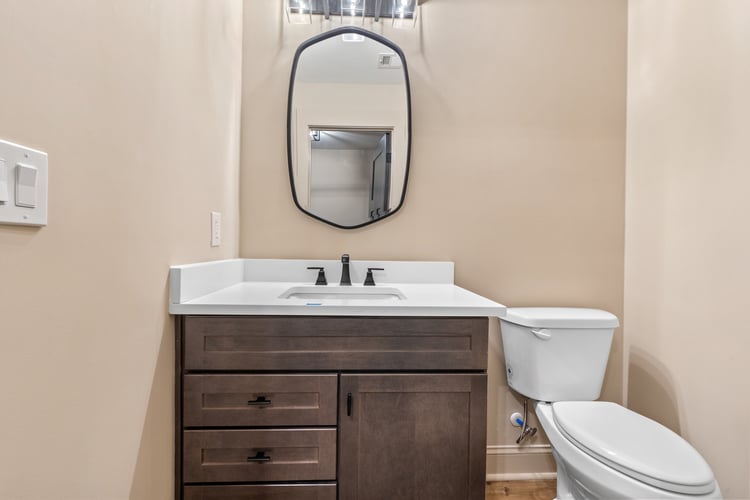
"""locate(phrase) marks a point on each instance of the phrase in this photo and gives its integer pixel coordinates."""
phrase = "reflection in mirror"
(346, 167)
(348, 128)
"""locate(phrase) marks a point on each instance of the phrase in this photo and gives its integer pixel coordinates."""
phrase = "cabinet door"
(412, 436)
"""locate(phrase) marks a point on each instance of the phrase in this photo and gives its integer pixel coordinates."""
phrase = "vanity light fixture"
(376, 14)
(403, 13)
(299, 11)
(352, 12)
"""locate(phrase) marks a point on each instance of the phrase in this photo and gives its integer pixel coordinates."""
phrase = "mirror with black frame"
(349, 127)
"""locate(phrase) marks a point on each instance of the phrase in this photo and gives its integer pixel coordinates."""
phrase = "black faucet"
(345, 279)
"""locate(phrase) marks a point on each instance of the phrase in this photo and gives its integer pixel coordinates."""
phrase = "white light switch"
(23, 185)
(4, 196)
(26, 185)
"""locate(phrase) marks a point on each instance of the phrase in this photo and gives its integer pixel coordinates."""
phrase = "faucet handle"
(321, 275)
(369, 280)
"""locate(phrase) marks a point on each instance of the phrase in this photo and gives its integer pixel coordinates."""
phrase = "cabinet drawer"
(262, 492)
(259, 455)
(334, 343)
(259, 400)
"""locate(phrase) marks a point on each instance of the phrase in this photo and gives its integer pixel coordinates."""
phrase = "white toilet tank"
(557, 353)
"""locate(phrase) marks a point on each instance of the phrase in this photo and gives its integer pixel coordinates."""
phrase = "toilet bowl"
(558, 356)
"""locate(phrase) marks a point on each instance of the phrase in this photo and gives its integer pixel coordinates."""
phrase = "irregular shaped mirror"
(349, 127)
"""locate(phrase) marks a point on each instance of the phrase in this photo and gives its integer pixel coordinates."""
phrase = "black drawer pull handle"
(260, 401)
(349, 404)
(259, 457)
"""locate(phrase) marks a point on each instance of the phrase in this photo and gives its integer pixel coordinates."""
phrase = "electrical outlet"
(215, 229)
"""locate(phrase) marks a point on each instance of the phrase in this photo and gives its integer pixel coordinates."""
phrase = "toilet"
(557, 357)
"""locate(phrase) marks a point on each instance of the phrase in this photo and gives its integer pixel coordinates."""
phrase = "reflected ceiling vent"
(389, 61)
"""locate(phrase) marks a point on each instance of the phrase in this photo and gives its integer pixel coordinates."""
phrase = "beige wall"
(136, 103)
(517, 170)
(687, 244)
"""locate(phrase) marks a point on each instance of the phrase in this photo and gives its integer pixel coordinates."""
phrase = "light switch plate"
(15, 209)
(4, 195)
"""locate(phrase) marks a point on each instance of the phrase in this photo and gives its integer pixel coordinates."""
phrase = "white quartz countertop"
(257, 287)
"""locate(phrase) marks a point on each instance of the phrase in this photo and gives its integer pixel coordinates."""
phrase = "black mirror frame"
(319, 38)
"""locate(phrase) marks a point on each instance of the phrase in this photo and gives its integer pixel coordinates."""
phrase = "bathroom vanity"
(287, 397)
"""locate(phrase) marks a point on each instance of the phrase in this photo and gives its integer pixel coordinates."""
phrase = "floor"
(521, 490)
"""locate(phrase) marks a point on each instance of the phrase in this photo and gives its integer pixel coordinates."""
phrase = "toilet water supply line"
(526, 430)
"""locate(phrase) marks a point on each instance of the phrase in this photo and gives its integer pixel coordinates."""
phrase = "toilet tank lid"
(560, 317)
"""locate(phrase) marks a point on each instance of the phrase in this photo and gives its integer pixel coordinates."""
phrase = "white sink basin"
(343, 293)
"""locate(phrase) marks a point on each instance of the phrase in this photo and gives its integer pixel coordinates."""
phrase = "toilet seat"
(634, 445)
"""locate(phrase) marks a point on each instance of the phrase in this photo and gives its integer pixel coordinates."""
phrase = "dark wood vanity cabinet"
(327, 408)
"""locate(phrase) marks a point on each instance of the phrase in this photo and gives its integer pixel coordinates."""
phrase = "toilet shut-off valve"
(526, 430)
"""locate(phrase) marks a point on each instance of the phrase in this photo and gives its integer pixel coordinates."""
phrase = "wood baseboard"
(541, 489)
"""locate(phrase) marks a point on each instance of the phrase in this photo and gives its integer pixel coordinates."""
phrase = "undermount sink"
(342, 293)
